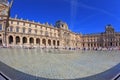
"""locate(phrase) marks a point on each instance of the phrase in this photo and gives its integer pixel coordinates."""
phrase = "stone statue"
(3, 1)
(3, 7)
(3, 12)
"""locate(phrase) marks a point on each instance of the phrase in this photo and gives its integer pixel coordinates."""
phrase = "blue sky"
(83, 16)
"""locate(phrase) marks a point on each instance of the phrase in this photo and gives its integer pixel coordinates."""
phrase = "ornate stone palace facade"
(29, 33)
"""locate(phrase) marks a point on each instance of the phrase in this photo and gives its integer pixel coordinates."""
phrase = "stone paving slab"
(59, 64)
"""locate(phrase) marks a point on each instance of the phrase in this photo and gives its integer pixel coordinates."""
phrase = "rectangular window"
(54, 34)
(0, 27)
(23, 30)
(41, 32)
(46, 34)
(50, 33)
(17, 29)
(29, 25)
(11, 29)
(24, 24)
(35, 31)
(29, 31)
(17, 23)
(11, 22)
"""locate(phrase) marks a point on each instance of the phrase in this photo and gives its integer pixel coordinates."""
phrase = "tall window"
(50, 33)
(11, 22)
(35, 26)
(0, 27)
(29, 25)
(11, 29)
(29, 30)
(24, 24)
(46, 33)
(41, 32)
(54, 34)
(35, 31)
(17, 29)
(17, 23)
(23, 30)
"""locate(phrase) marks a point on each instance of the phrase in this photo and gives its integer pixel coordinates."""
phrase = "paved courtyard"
(59, 64)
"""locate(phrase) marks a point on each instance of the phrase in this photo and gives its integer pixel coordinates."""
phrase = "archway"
(54, 42)
(111, 44)
(17, 39)
(38, 41)
(58, 43)
(10, 39)
(44, 42)
(0, 42)
(49, 42)
(24, 40)
(31, 40)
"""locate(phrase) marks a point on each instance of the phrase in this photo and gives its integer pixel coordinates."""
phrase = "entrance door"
(0, 42)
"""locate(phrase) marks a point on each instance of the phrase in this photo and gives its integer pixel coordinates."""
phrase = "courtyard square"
(59, 64)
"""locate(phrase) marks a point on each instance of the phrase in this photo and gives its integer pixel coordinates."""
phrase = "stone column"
(118, 44)
(28, 41)
(21, 42)
(52, 43)
(34, 41)
(14, 41)
(46, 42)
(40, 41)
(7, 40)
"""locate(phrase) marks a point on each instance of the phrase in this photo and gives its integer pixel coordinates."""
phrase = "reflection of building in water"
(24, 32)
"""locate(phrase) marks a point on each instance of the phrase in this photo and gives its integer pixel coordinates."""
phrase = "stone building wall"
(28, 33)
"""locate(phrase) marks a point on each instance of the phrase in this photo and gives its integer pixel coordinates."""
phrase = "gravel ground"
(60, 64)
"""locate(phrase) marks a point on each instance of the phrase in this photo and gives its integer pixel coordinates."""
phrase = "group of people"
(66, 48)
(103, 48)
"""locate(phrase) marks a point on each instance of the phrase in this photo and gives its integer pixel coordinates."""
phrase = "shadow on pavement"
(14, 74)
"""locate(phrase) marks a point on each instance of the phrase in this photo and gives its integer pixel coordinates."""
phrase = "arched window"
(44, 42)
(54, 42)
(24, 40)
(58, 43)
(83, 45)
(31, 40)
(49, 42)
(10, 39)
(38, 41)
(17, 39)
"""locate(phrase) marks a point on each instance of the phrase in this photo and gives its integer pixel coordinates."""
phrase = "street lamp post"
(46, 35)
(7, 21)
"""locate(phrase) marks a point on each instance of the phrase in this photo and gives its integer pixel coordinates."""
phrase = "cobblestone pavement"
(55, 64)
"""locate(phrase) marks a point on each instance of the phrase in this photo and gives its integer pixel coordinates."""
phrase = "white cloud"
(73, 14)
